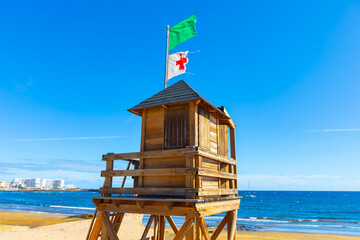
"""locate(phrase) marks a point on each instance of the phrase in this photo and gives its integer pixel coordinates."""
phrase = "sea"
(295, 211)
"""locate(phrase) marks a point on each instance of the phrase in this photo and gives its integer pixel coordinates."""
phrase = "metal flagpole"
(167, 57)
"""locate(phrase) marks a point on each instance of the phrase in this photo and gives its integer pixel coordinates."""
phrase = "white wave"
(84, 208)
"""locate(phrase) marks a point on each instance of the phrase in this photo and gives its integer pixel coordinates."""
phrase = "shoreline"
(17, 224)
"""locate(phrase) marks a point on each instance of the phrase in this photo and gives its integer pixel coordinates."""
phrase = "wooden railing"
(194, 173)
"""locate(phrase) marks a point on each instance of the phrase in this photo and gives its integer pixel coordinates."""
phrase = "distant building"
(53, 183)
(5, 184)
(38, 183)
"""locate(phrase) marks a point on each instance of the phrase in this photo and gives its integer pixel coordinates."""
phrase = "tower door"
(177, 126)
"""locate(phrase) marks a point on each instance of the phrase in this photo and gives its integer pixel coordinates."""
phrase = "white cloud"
(65, 139)
(335, 130)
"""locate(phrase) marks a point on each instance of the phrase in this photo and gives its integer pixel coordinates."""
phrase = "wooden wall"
(178, 126)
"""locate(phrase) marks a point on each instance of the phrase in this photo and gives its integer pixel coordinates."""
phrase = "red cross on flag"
(177, 64)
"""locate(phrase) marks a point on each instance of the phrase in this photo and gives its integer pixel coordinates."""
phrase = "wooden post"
(162, 227)
(232, 225)
(108, 180)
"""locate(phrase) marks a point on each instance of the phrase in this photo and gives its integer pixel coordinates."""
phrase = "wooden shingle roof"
(178, 92)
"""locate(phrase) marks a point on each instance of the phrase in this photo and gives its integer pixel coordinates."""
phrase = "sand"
(34, 226)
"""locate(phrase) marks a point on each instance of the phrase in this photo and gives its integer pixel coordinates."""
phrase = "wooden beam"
(119, 221)
(204, 229)
(172, 224)
(220, 227)
(147, 228)
(110, 232)
(184, 229)
(123, 182)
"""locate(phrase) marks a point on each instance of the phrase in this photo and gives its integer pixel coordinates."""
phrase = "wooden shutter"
(177, 127)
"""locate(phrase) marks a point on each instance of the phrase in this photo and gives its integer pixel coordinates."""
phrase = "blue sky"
(287, 71)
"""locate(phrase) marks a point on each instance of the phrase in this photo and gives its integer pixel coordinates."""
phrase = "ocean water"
(299, 211)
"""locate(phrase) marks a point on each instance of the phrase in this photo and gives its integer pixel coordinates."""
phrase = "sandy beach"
(35, 226)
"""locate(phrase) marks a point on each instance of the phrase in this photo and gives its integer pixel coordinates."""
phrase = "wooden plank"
(203, 228)
(165, 162)
(175, 181)
(190, 179)
(204, 128)
(147, 228)
(220, 227)
(184, 229)
(96, 229)
(154, 136)
(110, 232)
(172, 224)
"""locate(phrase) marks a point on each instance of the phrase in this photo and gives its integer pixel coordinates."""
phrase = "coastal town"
(27, 184)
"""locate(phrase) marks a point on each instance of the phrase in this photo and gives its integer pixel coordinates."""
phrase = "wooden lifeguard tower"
(183, 169)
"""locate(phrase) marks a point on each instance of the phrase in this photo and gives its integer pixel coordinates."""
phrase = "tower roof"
(178, 92)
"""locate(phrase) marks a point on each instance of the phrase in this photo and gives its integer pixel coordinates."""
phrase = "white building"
(53, 183)
(38, 183)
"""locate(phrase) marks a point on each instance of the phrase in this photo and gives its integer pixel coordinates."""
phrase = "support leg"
(232, 225)
(156, 225)
(204, 229)
(162, 228)
(96, 229)
(184, 229)
(191, 233)
(147, 228)
(220, 227)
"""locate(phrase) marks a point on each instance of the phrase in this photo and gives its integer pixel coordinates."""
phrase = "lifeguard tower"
(186, 167)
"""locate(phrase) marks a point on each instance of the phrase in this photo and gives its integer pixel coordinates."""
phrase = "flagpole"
(167, 57)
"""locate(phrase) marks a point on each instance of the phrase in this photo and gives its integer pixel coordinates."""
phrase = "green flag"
(182, 31)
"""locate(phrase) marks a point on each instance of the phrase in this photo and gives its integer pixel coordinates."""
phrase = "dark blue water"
(320, 212)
